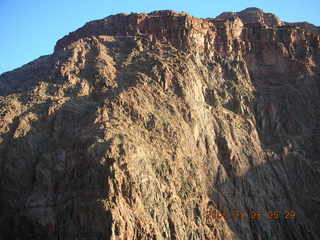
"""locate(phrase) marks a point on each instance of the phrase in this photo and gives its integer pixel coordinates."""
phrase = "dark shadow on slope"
(286, 109)
(286, 184)
(26, 77)
(54, 178)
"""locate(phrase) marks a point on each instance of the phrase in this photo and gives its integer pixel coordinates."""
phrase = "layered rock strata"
(165, 126)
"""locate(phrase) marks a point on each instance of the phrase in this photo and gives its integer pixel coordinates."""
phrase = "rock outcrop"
(165, 126)
(253, 15)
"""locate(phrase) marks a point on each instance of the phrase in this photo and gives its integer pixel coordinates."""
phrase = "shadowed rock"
(148, 126)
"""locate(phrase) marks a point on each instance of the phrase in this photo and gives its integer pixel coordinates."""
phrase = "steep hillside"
(165, 126)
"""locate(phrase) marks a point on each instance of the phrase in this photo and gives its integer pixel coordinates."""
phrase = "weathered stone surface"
(143, 126)
(305, 25)
(253, 15)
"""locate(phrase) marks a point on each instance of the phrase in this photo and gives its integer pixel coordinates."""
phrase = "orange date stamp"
(255, 215)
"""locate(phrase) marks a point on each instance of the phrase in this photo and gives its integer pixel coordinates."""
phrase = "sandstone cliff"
(148, 126)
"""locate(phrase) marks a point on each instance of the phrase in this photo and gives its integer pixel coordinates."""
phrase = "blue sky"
(30, 28)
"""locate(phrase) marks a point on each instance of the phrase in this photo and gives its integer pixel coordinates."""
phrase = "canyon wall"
(165, 126)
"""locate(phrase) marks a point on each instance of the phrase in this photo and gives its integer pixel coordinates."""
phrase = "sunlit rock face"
(165, 126)
(253, 15)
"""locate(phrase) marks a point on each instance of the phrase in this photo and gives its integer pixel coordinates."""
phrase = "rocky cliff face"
(165, 126)
(253, 15)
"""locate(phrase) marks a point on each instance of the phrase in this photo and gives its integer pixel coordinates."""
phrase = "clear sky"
(30, 28)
